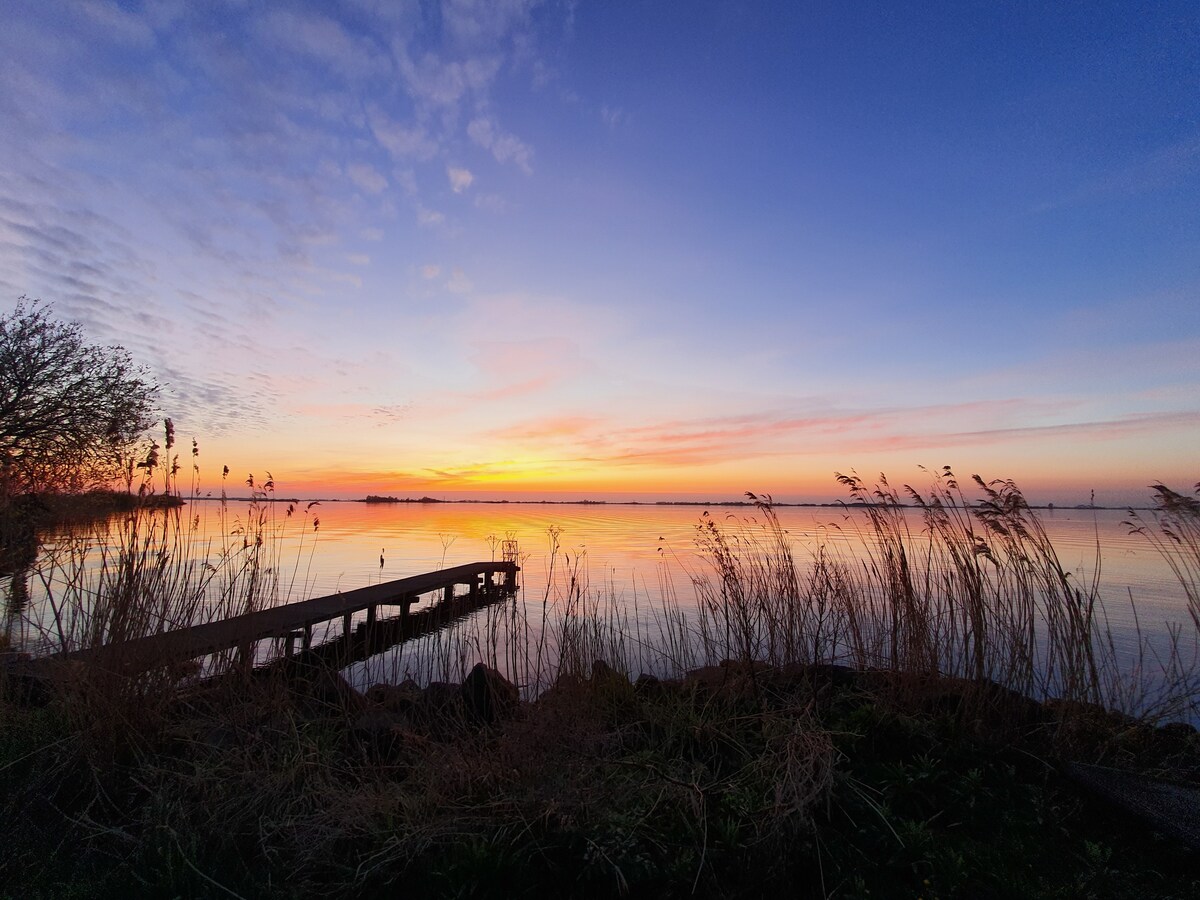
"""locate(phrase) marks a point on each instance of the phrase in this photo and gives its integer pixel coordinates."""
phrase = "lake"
(630, 556)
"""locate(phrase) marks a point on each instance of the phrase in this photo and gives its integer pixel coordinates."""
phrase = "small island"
(375, 498)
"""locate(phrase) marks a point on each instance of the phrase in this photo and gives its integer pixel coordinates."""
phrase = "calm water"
(631, 553)
(633, 547)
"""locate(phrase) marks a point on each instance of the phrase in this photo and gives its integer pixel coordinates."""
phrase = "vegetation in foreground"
(733, 781)
(904, 727)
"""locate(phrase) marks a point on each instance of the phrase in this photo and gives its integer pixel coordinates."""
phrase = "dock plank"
(278, 621)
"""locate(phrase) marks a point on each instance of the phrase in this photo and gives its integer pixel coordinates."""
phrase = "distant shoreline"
(735, 504)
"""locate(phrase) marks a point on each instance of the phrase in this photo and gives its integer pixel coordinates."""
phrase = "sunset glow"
(567, 250)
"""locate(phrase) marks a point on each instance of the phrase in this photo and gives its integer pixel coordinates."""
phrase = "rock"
(373, 721)
(385, 737)
(731, 676)
(441, 696)
(603, 673)
(399, 698)
(1178, 731)
(707, 677)
(745, 666)
(830, 673)
(1171, 809)
(648, 685)
(315, 680)
(1078, 711)
(608, 681)
(487, 695)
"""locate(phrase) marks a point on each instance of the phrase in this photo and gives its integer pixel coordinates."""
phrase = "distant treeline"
(857, 504)
(375, 498)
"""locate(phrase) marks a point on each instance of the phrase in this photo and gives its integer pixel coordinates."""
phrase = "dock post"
(474, 588)
(308, 630)
(448, 594)
(369, 630)
(347, 623)
(246, 656)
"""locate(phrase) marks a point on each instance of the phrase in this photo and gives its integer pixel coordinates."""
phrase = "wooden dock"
(294, 622)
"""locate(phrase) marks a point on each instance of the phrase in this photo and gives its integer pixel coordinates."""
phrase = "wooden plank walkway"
(242, 632)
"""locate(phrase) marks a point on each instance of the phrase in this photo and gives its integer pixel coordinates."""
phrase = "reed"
(978, 593)
(1174, 531)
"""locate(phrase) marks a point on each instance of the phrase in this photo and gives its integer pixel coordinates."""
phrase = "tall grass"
(1174, 531)
(158, 566)
(977, 592)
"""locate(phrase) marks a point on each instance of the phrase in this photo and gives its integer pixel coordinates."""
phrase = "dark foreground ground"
(737, 781)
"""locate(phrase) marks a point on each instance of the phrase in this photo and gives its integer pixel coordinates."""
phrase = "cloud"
(714, 440)
(367, 177)
(460, 179)
(474, 23)
(438, 85)
(401, 141)
(459, 283)
(252, 153)
(504, 147)
(381, 415)
(407, 179)
(322, 39)
(612, 116)
(491, 202)
(117, 24)
(557, 426)
(429, 217)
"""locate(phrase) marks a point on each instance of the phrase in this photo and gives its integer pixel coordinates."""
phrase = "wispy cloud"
(324, 40)
(706, 441)
(459, 283)
(119, 24)
(430, 217)
(460, 179)
(612, 116)
(404, 142)
(381, 416)
(367, 177)
(503, 146)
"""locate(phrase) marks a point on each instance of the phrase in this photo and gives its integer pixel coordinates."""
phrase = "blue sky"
(626, 247)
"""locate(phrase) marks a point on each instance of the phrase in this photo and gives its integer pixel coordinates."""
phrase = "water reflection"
(643, 553)
(18, 555)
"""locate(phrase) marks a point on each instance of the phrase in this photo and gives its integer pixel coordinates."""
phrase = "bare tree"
(70, 412)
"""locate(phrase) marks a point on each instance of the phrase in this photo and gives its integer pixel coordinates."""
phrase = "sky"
(511, 248)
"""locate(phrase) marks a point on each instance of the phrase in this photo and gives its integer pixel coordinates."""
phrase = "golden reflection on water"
(628, 553)
(624, 541)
